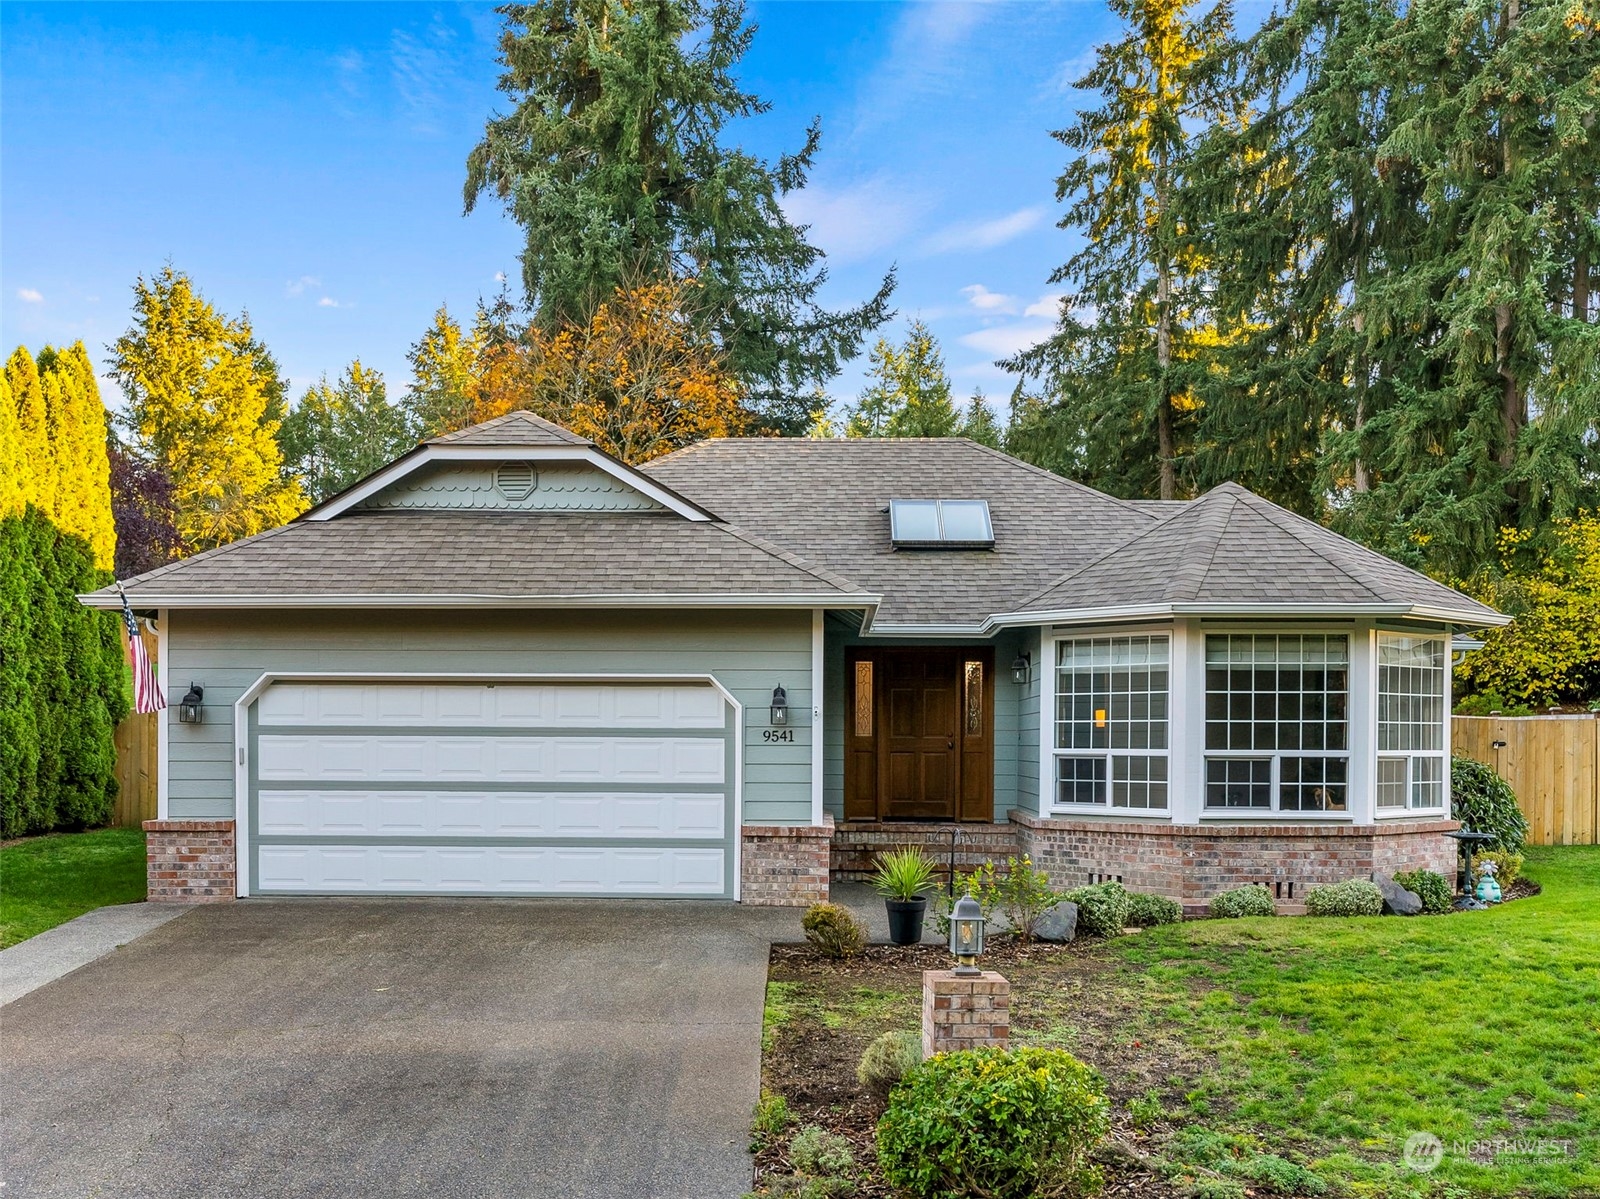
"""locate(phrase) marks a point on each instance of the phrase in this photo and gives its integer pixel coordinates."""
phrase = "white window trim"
(1442, 808)
(1049, 780)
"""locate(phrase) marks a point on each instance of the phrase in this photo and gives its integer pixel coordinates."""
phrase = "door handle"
(949, 744)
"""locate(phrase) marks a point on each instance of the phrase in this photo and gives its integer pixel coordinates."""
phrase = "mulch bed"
(1080, 985)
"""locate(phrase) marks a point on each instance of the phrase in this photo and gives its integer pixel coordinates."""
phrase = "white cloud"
(985, 235)
(853, 222)
(1002, 341)
(327, 302)
(29, 296)
(928, 55)
(1074, 69)
(298, 287)
(984, 300)
(1047, 305)
(499, 276)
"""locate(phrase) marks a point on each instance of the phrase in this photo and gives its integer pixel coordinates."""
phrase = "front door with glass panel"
(919, 734)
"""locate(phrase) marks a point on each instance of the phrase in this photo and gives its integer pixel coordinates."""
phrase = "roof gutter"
(834, 600)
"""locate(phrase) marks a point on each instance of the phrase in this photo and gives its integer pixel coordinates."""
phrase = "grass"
(1339, 1038)
(46, 881)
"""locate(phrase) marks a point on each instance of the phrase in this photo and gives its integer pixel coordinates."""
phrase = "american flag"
(147, 696)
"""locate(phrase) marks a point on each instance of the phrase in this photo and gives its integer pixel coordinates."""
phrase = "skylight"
(954, 523)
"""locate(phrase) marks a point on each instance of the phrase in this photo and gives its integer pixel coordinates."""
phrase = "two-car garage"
(489, 786)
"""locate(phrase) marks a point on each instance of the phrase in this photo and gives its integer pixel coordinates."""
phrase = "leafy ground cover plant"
(1147, 911)
(991, 1122)
(1253, 900)
(1102, 908)
(1353, 897)
(889, 1059)
(1433, 889)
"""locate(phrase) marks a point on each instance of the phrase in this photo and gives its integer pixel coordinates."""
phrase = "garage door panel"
(503, 705)
(634, 815)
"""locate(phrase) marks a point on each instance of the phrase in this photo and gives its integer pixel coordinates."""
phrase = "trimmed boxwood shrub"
(1353, 897)
(998, 1123)
(1147, 910)
(833, 930)
(1433, 889)
(1102, 908)
(1485, 803)
(1252, 900)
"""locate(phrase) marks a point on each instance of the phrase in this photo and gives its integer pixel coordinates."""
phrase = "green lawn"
(46, 881)
(1338, 1039)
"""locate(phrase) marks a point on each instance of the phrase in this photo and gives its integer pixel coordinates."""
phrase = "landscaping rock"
(1397, 901)
(1060, 923)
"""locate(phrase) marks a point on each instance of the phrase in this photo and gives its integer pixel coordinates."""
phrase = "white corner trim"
(163, 758)
(241, 737)
(430, 454)
(817, 724)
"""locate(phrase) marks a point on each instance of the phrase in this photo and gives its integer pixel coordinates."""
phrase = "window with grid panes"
(1277, 727)
(1111, 722)
(1411, 716)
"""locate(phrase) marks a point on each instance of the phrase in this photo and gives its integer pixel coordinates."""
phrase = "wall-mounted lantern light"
(189, 705)
(780, 707)
(1021, 668)
(966, 935)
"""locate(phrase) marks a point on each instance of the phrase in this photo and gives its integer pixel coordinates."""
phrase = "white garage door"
(492, 789)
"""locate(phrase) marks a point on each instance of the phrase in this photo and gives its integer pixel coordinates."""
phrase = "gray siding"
(749, 653)
(1016, 719)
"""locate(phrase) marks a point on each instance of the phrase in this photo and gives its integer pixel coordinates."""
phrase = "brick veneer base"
(785, 865)
(857, 843)
(972, 1012)
(190, 861)
(1191, 863)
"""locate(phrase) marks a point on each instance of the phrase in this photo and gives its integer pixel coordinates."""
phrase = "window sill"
(1263, 816)
(1412, 814)
(1110, 813)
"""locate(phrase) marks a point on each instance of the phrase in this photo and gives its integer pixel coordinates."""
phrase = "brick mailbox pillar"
(971, 1012)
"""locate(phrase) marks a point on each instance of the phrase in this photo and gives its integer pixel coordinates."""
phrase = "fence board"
(137, 755)
(1551, 762)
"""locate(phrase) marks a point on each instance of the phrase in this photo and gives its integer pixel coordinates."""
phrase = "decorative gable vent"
(515, 480)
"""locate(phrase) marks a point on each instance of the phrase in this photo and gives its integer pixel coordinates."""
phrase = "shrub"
(1485, 803)
(1353, 897)
(887, 1060)
(1102, 908)
(770, 1119)
(821, 1153)
(903, 874)
(1253, 900)
(1488, 703)
(833, 930)
(1004, 1124)
(1508, 866)
(1022, 894)
(1433, 889)
(1147, 910)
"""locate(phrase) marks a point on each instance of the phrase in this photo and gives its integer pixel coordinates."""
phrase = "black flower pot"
(905, 919)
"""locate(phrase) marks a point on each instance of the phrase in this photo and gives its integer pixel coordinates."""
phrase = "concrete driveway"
(359, 1048)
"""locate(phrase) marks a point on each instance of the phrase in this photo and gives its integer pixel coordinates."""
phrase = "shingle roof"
(827, 501)
(511, 554)
(1230, 546)
(513, 429)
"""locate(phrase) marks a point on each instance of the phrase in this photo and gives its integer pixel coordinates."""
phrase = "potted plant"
(904, 878)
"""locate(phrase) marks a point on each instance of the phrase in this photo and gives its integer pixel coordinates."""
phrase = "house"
(509, 664)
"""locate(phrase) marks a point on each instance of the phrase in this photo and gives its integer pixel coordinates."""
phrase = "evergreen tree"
(198, 408)
(613, 161)
(82, 492)
(979, 423)
(910, 392)
(339, 434)
(35, 449)
(1141, 271)
(444, 366)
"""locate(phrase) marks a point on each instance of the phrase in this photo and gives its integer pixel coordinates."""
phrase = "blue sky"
(304, 162)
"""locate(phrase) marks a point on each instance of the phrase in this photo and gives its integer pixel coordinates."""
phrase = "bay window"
(1277, 722)
(1411, 716)
(1111, 722)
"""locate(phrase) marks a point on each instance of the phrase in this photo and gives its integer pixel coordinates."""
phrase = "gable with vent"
(516, 485)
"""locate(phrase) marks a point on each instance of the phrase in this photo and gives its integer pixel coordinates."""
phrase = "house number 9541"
(777, 734)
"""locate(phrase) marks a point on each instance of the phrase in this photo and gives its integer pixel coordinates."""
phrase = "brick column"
(190, 861)
(785, 865)
(972, 1012)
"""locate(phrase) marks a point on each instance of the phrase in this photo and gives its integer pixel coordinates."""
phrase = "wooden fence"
(137, 754)
(1551, 762)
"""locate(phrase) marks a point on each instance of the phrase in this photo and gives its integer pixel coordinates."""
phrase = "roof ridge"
(1160, 522)
(1216, 541)
(522, 415)
(1272, 511)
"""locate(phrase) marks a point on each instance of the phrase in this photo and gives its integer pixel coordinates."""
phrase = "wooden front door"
(919, 737)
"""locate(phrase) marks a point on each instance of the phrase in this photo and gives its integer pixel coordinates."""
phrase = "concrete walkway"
(367, 1048)
(59, 951)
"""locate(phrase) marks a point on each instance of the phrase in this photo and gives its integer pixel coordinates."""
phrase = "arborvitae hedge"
(62, 682)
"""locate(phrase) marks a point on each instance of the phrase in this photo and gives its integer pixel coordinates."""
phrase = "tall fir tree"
(444, 366)
(615, 161)
(909, 395)
(978, 423)
(338, 434)
(1138, 297)
(199, 405)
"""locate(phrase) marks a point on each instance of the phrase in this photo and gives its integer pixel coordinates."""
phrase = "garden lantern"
(1021, 668)
(966, 935)
(189, 705)
(780, 707)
